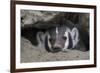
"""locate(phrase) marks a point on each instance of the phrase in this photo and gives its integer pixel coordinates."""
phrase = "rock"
(30, 17)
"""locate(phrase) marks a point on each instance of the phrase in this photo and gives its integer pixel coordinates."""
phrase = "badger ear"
(75, 36)
(75, 33)
(40, 36)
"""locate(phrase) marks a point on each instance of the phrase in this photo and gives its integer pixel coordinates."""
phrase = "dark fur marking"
(70, 41)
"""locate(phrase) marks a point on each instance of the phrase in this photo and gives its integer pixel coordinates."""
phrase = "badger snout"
(57, 47)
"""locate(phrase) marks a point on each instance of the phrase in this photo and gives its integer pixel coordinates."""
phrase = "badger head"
(61, 38)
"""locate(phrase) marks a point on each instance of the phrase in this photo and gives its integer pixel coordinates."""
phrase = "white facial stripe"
(49, 44)
(56, 30)
(67, 41)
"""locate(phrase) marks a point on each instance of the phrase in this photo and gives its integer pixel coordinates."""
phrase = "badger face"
(57, 39)
(61, 38)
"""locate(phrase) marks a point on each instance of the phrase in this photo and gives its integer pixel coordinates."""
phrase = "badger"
(65, 37)
(61, 38)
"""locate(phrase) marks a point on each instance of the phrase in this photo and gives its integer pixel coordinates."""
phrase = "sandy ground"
(31, 54)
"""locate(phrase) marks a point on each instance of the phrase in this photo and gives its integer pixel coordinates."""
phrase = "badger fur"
(61, 38)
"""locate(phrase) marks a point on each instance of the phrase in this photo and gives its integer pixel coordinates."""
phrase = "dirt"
(31, 54)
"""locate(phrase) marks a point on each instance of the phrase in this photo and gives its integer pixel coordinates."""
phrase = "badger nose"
(57, 46)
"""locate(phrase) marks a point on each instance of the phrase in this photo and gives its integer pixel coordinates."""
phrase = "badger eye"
(64, 37)
(50, 39)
